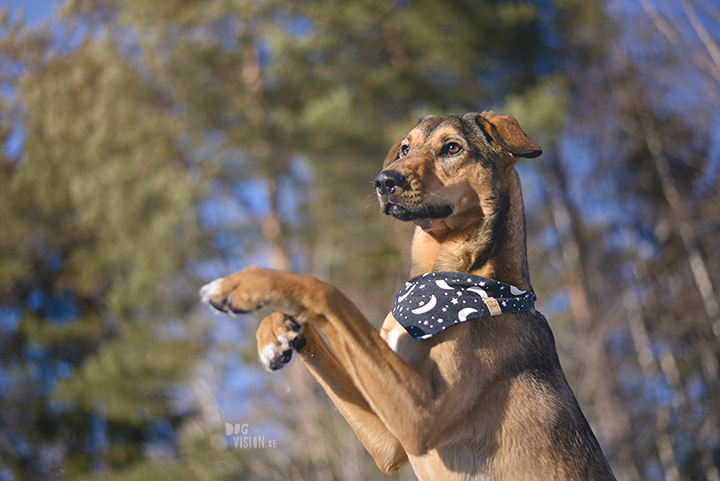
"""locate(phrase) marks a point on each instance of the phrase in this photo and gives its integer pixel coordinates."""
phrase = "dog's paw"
(278, 335)
(237, 293)
(273, 358)
(212, 295)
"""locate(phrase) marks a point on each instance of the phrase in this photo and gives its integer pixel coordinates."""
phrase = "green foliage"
(542, 109)
(98, 213)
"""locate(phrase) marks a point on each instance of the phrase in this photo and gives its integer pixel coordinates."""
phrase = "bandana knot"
(432, 302)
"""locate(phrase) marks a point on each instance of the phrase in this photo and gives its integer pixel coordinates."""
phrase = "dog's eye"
(404, 150)
(452, 148)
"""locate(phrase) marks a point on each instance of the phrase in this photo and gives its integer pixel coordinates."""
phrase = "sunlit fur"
(484, 400)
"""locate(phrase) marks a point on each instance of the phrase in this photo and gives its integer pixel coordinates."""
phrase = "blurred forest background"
(149, 147)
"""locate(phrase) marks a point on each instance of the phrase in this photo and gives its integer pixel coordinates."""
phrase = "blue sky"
(35, 10)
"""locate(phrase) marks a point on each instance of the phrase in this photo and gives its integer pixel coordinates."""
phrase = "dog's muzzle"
(389, 184)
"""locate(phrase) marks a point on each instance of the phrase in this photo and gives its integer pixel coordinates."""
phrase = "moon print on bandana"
(432, 302)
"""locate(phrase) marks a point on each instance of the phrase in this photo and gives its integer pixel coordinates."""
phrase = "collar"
(432, 302)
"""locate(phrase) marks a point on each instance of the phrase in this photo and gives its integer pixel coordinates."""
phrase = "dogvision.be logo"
(243, 439)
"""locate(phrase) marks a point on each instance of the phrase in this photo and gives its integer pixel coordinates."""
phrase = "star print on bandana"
(432, 302)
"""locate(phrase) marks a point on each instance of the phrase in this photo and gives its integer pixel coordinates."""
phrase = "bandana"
(432, 302)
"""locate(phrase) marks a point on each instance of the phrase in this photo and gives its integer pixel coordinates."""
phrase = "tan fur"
(483, 400)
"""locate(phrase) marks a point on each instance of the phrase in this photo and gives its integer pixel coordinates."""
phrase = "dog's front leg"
(279, 334)
(401, 395)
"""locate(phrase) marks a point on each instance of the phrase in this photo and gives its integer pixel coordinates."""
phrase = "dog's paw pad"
(278, 335)
(212, 295)
(273, 357)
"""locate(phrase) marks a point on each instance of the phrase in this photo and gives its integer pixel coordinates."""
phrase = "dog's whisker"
(440, 197)
(367, 206)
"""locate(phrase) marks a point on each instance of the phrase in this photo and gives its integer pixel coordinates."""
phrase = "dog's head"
(448, 172)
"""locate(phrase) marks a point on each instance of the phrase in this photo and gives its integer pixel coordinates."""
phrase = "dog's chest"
(397, 338)
(392, 336)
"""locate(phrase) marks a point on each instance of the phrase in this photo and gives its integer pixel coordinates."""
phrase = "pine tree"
(98, 219)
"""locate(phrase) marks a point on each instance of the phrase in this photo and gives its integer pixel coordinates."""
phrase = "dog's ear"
(506, 133)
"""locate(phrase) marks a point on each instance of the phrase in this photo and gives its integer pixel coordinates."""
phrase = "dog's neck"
(494, 247)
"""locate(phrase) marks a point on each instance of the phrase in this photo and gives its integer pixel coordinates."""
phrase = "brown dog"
(458, 395)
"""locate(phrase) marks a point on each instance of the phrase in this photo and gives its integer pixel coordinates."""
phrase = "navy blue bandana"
(432, 302)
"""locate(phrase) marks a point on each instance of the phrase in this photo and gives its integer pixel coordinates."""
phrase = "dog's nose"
(388, 180)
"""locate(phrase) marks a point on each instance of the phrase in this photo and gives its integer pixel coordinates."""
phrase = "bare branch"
(660, 22)
(702, 33)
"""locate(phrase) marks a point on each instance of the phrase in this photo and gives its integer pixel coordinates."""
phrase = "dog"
(463, 380)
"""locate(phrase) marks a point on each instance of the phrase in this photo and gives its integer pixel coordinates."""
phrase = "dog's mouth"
(415, 214)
